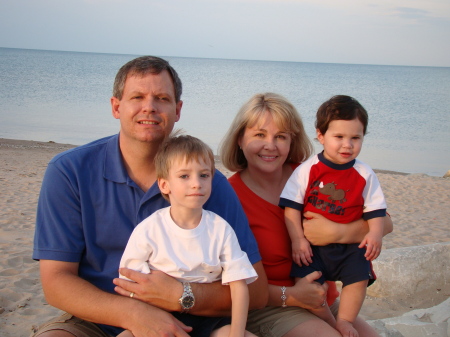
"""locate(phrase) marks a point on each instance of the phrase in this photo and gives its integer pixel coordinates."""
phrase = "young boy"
(343, 189)
(189, 243)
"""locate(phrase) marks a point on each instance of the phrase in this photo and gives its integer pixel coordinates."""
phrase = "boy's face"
(342, 142)
(188, 184)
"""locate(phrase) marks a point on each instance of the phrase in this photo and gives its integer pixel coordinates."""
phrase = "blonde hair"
(178, 147)
(286, 118)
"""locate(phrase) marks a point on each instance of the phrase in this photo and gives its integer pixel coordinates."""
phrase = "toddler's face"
(342, 142)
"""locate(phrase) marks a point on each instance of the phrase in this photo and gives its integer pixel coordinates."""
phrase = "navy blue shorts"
(202, 326)
(338, 262)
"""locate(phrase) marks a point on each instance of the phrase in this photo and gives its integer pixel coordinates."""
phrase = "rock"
(409, 271)
(417, 323)
(414, 274)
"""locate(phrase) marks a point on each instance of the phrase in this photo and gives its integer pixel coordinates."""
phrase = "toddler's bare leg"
(352, 298)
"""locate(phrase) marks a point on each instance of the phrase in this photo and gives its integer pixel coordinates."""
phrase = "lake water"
(64, 97)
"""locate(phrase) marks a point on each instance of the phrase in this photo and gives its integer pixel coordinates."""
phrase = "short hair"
(286, 118)
(340, 107)
(181, 147)
(142, 66)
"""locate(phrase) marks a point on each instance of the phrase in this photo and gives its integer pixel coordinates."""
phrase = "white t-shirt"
(205, 254)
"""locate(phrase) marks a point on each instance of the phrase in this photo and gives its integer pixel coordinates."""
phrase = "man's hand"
(157, 288)
(65, 290)
(159, 323)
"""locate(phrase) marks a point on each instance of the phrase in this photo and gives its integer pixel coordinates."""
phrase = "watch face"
(188, 302)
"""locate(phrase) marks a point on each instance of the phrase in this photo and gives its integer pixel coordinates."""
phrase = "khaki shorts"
(72, 324)
(278, 321)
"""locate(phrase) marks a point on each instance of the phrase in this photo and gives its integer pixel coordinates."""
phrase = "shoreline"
(417, 203)
(21, 143)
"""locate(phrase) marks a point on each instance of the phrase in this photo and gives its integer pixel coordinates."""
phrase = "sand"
(419, 206)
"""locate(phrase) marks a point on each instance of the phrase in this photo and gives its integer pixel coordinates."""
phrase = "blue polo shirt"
(88, 207)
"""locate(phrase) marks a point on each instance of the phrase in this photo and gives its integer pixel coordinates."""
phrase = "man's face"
(147, 110)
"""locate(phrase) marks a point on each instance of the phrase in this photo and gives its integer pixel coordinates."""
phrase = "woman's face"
(265, 146)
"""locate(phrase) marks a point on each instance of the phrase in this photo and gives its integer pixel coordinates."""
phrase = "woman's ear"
(239, 142)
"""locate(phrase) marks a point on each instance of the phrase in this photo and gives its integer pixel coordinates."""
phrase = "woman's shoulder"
(294, 165)
(235, 179)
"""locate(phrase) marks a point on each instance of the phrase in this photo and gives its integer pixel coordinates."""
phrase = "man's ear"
(115, 103)
(164, 186)
(178, 109)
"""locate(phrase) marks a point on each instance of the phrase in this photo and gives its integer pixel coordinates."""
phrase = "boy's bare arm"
(239, 311)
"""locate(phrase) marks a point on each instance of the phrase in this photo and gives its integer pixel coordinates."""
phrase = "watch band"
(187, 299)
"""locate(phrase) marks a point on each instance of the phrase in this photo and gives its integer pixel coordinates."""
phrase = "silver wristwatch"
(187, 300)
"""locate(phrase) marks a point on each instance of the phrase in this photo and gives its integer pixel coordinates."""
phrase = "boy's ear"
(319, 136)
(163, 185)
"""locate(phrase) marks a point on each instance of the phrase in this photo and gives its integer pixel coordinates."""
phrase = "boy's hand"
(372, 242)
(302, 252)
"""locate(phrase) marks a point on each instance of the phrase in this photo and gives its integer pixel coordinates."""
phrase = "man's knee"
(55, 333)
(67, 325)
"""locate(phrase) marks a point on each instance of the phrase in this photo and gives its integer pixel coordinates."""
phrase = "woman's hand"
(321, 232)
(307, 293)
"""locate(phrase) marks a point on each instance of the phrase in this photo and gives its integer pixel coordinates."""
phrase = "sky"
(385, 32)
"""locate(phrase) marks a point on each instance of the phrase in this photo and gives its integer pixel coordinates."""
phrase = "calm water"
(64, 97)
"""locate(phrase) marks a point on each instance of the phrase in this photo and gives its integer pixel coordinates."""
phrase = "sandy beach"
(418, 204)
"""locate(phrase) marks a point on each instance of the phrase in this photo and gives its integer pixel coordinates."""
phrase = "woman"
(264, 144)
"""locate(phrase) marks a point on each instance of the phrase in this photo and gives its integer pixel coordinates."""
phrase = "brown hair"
(340, 107)
(142, 66)
(285, 116)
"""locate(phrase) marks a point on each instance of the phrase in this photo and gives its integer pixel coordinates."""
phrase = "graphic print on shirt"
(332, 195)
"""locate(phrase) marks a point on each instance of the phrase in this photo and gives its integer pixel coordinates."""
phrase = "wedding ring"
(131, 294)
(323, 304)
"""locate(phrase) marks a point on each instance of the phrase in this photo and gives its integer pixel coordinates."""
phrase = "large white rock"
(417, 323)
(414, 273)
(411, 271)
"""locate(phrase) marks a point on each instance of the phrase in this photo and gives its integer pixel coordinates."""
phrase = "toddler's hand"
(372, 242)
(302, 252)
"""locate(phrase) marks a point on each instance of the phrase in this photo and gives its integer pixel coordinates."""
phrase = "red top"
(267, 224)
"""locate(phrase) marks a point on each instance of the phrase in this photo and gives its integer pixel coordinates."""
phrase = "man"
(91, 199)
